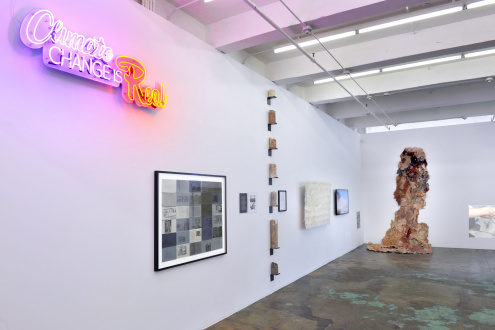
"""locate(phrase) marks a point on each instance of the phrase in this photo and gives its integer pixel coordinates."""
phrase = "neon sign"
(90, 58)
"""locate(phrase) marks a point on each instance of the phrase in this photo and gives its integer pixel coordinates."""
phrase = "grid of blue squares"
(191, 218)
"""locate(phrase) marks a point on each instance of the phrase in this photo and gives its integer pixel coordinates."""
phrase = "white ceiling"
(440, 91)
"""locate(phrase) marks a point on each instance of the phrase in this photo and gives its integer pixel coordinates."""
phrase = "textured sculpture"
(273, 198)
(406, 235)
(273, 170)
(317, 201)
(272, 117)
(273, 234)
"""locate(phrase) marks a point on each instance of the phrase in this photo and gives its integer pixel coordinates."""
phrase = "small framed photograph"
(282, 200)
(190, 218)
(341, 201)
(243, 203)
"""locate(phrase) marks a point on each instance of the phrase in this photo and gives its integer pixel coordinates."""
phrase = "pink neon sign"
(90, 58)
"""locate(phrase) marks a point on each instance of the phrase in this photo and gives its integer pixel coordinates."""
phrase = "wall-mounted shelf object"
(270, 151)
(272, 120)
(273, 200)
(274, 271)
(271, 95)
(273, 236)
(272, 145)
(272, 173)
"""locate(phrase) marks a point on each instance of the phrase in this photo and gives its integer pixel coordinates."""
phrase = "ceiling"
(459, 88)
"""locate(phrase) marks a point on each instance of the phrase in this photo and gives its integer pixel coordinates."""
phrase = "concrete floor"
(449, 289)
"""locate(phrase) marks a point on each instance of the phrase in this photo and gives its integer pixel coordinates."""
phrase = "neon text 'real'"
(88, 57)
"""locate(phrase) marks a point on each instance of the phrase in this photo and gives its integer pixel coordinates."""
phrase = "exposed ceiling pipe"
(308, 29)
(266, 18)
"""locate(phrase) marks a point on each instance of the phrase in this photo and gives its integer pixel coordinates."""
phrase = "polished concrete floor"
(449, 289)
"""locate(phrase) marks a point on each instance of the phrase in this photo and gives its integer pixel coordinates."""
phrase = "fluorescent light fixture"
(480, 4)
(284, 49)
(426, 124)
(416, 64)
(314, 41)
(322, 81)
(343, 77)
(480, 53)
(411, 19)
(208, 0)
(364, 73)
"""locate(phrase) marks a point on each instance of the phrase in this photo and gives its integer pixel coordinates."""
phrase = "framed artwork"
(190, 218)
(243, 204)
(341, 201)
(317, 204)
(282, 200)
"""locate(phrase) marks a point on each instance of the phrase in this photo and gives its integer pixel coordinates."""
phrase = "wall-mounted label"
(90, 58)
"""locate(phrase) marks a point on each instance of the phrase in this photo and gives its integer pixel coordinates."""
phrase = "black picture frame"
(282, 200)
(190, 222)
(243, 203)
(341, 201)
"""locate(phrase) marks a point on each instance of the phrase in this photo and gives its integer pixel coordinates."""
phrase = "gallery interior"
(185, 164)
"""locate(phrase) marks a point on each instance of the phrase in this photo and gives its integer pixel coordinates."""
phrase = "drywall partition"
(460, 159)
(76, 171)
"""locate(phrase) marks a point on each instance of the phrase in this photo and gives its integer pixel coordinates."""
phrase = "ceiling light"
(364, 73)
(480, 4)
(208, 0)
(343, 77)
(322, 81)
(314, 41)
(337, 36)
(480, 53)
(411, 19)
(413, 65)
(284, 49)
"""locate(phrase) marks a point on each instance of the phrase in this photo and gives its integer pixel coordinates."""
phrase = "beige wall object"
(273, 234)
(272, 117)
(272, 143)
(273, 170)
(273, 198)
(317, 200)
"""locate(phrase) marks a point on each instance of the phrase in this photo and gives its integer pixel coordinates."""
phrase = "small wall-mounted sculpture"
(273, 236)
(406, 235)
(272, 119)
(272, 173)
(272, 145)
(273, 200)
(274, 271)
(271, 95)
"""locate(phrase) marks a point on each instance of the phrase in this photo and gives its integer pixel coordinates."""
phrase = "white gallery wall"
(461, 160)
(77, 165)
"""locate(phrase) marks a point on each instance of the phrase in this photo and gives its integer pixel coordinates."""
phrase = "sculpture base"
(419, 249)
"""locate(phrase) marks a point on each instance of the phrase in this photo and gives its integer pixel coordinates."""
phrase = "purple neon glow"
(69, 51)
(89, 58)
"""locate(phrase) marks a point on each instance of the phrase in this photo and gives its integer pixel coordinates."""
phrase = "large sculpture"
(406, 235)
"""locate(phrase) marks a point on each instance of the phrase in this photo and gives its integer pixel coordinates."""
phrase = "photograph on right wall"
(482, 221)
(341, 201)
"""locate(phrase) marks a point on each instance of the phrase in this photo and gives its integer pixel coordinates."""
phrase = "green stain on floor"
(486, 316)
(366, 290)
(358, 299)
(437, 316)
